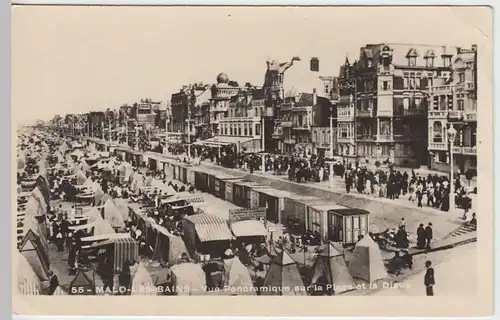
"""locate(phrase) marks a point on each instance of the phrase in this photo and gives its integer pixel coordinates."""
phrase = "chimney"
(474, 47)
(459, 50)
(315, 97)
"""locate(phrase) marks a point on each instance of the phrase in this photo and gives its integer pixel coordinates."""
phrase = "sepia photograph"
(334, 152)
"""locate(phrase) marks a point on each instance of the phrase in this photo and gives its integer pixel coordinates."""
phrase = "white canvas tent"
(367, 263)
(330, 266)
(237, 278)
(142, 283)
(27, 281)
(283, 277)
(190, 277)
(112, 215)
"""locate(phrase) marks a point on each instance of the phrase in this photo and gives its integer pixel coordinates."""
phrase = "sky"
(76, 59)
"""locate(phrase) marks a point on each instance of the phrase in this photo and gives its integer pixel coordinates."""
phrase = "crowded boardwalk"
(101, 218)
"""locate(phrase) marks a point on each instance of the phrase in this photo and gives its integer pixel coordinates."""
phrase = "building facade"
(221, 94)
(454, 103)
(389, 87)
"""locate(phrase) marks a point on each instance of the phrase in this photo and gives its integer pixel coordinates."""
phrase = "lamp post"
(451, 139)
(263, 139)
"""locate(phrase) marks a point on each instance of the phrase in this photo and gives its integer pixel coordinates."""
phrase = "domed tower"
(222, 78)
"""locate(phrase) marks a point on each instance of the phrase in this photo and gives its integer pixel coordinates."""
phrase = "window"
(412, 61)
(437, 132)
(386, 85)
(231, 129)
(461, 77)
(405, 83)
(250, 130)
(429, 62)
(417, 102)
(246, 129)
(406, 103)
(412, 83)
(257, 129)
(429, 82)
(446, 62)
(460, 104)
(441, 156)
(239, 129)
(327, 88)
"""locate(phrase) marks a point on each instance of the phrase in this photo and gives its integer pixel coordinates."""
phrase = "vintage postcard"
(311, 161)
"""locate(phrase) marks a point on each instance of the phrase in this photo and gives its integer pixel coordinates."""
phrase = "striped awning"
(195, 200)
(210, 228)
(126, 250)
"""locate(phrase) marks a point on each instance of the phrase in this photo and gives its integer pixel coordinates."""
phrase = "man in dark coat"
(421, 236)
(428, 235)
(429, 281)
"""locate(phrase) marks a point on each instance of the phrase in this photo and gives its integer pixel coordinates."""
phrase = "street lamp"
(452, 132)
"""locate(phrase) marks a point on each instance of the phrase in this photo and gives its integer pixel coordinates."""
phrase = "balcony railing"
(289, 141)
(301, 127)
(366, 137)
(345, 118)
(471, 116)
(413, 113)
(471, 151)
(438, 114)
(286, 123)
(438, 146)
(470, 86)
(385, 137)
(364, 113)
(457, 149)
(346, 139)
(441, 89)
(455, 114)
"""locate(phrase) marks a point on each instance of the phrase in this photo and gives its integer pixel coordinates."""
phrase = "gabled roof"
(430, 54)
(412, 53)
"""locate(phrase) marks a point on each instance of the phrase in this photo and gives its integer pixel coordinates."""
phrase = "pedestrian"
(428, 235)
(429, 280)
(59, 242)
(421, 236)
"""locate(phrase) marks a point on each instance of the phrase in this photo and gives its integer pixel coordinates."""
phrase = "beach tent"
(168, 247)
(85, 167)
(59, 292)
(80, 178)
(112, 215)
(168, 190)
(367, 263)
(283, 277)
(330, 265)
(190, 278)
(237, 278)
(102, 227)
(27, 280)
(88, 183)
(38, 196)
(36, 254)
(148, 181)
(99, 193)
(142, 283)
(122, 207)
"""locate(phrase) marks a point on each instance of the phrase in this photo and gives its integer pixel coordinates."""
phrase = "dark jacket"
(421, 232)
(429, 277)
(428, 232)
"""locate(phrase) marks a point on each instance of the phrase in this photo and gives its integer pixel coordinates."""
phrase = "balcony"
(441, 146)
(366, 137)
(470, 151)
(414, 113)
(286, 123)
(445, 89)
(365, 113)
(471, 116)
(470, 86)
(455, 115)
(345, 140)
(385, 138)
(301, 127)
(385, 70)
(345, 118)
(443, 114)
(457, 149)
(289, 141)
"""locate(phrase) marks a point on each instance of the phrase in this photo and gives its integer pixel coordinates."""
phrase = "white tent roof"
(367, 263)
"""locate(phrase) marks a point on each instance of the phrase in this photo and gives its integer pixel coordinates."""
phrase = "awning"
(84, 226)
(210, 228)
(248, 228)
